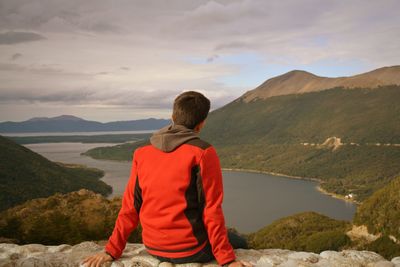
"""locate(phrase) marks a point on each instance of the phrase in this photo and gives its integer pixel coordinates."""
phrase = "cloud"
(16, 56)
(91, 97)
(11, 37)
(134, 54)
(234, 45)
(33, 96)
(103, 73)
(43, 70)
(212, 58)
(114, 98)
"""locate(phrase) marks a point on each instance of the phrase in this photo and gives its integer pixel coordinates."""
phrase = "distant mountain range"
(69, 123)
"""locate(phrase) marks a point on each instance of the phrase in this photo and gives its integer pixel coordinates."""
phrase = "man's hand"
(96, 260)
(240, 264)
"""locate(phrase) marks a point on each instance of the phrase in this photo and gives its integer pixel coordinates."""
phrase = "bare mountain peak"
(299, 81)
(298, 73)
(293, 76)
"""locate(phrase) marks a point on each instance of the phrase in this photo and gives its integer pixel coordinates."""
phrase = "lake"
(251, 200)
(76, 133)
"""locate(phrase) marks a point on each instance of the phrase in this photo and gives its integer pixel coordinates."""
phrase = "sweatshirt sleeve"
(128, 216)
(213, 216)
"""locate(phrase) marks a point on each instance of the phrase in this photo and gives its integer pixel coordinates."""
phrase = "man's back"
(176, 183)
(175, 190)
(172, 192)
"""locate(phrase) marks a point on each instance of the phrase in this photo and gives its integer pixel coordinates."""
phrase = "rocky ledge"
(36, 255)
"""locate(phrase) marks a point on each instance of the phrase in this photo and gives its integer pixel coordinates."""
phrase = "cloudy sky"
(109, 60)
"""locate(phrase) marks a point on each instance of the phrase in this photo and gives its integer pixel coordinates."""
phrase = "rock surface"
(36, 255)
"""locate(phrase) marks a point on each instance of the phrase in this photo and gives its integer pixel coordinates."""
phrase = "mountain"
(58, 118)
(25, 175)
(347, 138)
(297, 82)
(68, 123)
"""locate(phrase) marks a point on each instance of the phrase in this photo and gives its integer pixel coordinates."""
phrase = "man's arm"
(127, 221)
(128, 216)
(213, 216)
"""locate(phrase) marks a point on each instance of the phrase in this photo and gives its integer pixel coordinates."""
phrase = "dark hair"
(190, 108)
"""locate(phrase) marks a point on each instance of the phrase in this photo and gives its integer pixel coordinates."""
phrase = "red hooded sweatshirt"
(175, 190)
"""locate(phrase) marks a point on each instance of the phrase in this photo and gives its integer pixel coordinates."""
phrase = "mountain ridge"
(70, 123)
(299, 81)
(61, 117)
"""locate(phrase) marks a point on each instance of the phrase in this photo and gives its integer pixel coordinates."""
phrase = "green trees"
(385, 247)
(26, 175)
(122, 152)
(284, 134)
(71, 218)
(308, 231)
(381, 212)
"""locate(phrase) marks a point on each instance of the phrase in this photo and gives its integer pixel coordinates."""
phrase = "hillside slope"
(359, 116)
(308, 231)
(25, 175)
(381, 212)
(377, 222)
(296, 82)
(349, 139)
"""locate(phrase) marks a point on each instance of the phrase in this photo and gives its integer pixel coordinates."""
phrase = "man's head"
(190, 109)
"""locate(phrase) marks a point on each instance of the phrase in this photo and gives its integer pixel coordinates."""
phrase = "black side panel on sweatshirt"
(137, 196)
(195, 205)
(199, 143)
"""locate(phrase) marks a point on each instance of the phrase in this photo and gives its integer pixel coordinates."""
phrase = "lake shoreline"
(323, 191)
(284, 197)
(319, 188)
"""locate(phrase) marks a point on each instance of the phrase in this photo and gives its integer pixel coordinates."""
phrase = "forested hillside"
(308, 231)
(349, 139)
(70, 218)
(25, 175)
(381, 212)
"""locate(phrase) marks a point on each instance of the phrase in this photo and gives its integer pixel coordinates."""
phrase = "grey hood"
(172, 136)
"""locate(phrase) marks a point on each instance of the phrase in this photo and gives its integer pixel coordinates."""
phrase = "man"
(175, 190)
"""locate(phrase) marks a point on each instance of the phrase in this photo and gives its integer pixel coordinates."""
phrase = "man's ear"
(199, 126)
